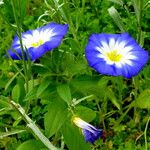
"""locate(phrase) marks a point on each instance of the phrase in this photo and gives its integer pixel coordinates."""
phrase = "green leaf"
(120, 2)
(85, 113)
(87, 85)
(143, 100)
(11, 80)
(113, 99)
(24, 6)
(64, 92)
(32, 89)
(4, 102)
(116, 17)
(32, 84)
(31, 145)
(18, 91)
(73, 138)
(31, 94)
(138, 7)
(9, 133)
(42, 87)
(55, 117)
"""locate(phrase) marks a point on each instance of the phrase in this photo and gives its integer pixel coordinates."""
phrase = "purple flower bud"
(90, 132)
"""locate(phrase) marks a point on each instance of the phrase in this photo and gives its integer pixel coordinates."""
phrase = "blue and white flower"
(39, 41)
(90, 132)
(115, 54)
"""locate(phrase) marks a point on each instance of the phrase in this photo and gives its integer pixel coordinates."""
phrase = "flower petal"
(115, 54)
(90, 132)
(92, 136)
(38, 41)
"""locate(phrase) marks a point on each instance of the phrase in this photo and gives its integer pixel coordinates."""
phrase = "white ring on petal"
(125, 52)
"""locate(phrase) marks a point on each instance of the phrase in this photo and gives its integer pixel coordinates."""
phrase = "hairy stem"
(32, 126)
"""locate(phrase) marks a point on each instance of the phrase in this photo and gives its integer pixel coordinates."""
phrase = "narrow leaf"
(16, 93)
(10, 81)
(113, 99)
(138, 7)
(116, 17)
(9, 133)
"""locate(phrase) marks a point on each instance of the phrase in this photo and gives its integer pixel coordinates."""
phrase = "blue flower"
(39, 41)
(90, 132)
(115, 54)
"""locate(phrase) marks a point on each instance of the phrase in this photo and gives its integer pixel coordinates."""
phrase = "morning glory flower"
(39, 41)
(90, 132)
(115, 54)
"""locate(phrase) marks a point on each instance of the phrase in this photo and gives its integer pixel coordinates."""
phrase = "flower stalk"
(25, 68)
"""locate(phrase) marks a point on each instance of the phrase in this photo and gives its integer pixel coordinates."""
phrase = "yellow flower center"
(38, 43)
(114, 56)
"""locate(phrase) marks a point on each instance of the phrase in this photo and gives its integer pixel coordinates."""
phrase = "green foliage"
(31, 144)
(42, 87)
(143, 100)
(73, 137)
(116, 17)
(85, 113)
(18, 91)
(55, 117)
(64, 92)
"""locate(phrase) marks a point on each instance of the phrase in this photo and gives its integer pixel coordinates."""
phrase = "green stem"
(145, 132)
(32, 126)
(76, 102)
(138, 7)
(13, 3)
(101, 116)
(125, 113)
(68, 20)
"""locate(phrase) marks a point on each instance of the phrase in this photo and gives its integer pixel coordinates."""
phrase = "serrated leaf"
(55, 117)
(116, 17)
(31, 145)
(64, 92)
(73, 138)
(42, 87)
(143, 100)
